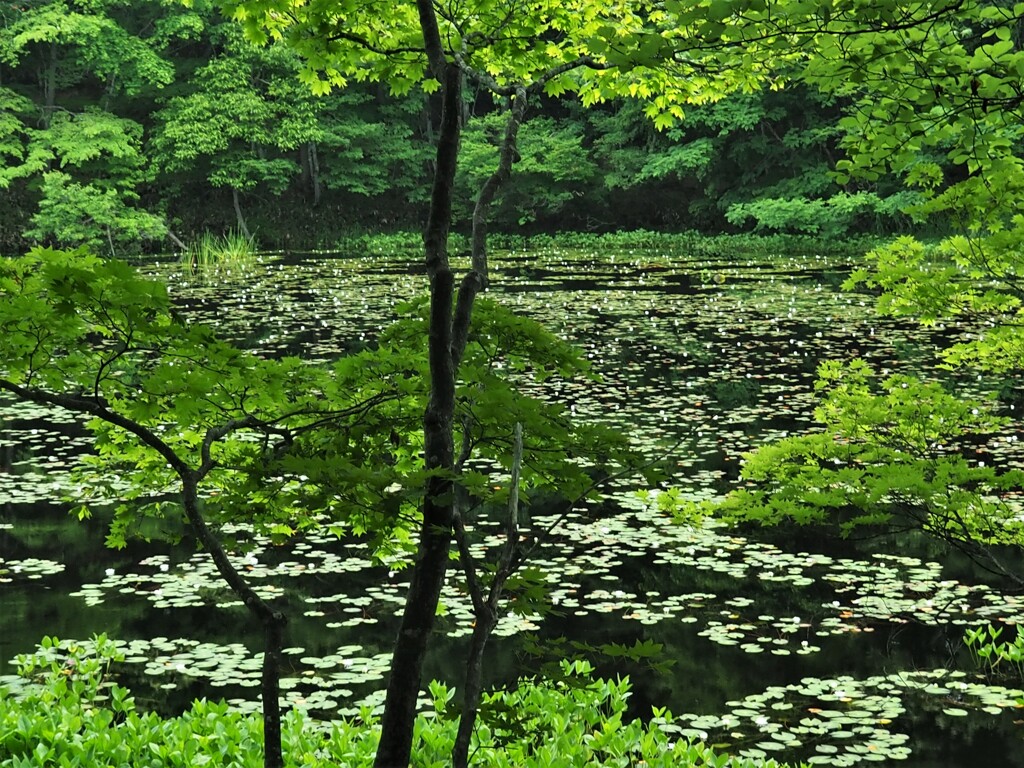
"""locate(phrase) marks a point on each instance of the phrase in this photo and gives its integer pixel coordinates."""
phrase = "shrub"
(63, 710)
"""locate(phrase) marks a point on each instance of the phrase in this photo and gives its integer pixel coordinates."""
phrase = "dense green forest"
(127, 125)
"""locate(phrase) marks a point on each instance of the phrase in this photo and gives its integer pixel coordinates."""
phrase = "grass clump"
(212, 252)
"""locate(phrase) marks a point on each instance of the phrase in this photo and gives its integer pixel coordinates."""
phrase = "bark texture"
(428, 572)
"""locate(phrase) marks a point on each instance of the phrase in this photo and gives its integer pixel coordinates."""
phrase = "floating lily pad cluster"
(905, 589)
(842, 721)
(196, 581)
(30, 568)
(193, 583)
(42, 444)
(219, 665)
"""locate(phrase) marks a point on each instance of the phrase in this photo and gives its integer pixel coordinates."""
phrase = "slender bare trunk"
(486, 611)
(313, 162)
(472, 687)
(50, 87)
(477, 278)
(507, 155)
(239, 218)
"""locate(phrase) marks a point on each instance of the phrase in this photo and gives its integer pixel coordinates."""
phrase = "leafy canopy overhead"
(923, 57)
(597, 49)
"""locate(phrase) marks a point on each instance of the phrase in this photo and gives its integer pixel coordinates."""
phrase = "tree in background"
(359, 158)
(552, 169)
(374, 148)
(78, 158)
(241, 123)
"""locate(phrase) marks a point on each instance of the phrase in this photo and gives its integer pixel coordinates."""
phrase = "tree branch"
(365, 44)
(213, 434)
(94, 407)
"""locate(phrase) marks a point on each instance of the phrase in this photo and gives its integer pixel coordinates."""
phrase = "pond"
(789, 645)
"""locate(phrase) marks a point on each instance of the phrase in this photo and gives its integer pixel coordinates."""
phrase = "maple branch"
(365, 44)
(94, 407)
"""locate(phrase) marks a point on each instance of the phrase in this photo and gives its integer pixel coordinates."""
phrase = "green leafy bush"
(394, 244)
(835, 215)
(62, 710)
(103, 218)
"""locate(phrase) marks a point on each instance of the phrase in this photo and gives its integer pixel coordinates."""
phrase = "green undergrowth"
(689, 243)
(65, 711)
(996, 658)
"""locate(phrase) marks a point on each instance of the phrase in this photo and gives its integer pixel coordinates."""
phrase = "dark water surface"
(774, 631)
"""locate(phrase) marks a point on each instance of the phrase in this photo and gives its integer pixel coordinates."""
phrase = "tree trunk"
(472, 686)
(428, 572)
(448, 335)
(313, 165)
(50, 87)
(239, 218)
(507, 155)
(477, 278)
(486, 611)
(273, 621)
(270, 687)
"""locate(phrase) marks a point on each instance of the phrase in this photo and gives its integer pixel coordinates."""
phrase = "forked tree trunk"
(487, 611)
(448, 334)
